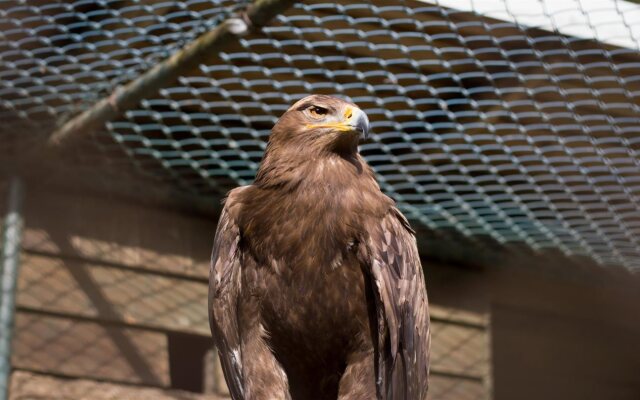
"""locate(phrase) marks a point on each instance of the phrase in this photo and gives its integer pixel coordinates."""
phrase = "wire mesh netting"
(123, 300)
(489, 118)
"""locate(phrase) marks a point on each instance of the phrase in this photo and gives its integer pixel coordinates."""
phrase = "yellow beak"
(353, 120)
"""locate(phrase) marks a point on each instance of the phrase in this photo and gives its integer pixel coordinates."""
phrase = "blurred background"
(507, 131)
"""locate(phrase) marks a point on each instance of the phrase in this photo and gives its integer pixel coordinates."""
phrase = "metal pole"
(259, 13)
(10, 263)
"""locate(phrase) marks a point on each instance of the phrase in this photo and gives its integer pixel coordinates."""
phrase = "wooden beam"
(106, 294)
(128, 96)
(118, 234)
(90, 350)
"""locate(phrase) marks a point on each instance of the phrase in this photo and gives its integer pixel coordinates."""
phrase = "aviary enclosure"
(507, 131)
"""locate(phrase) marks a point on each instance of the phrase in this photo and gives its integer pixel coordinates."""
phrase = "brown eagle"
(316, 289)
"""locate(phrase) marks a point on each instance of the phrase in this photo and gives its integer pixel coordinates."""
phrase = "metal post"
(10, 263)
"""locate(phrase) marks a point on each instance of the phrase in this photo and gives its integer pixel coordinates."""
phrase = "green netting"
(490, 119)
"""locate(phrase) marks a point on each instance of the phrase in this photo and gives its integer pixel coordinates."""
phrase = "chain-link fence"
(492, 118)
(501, 121)
(115, 292)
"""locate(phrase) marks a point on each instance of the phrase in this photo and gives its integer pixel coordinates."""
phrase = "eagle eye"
(317, 111)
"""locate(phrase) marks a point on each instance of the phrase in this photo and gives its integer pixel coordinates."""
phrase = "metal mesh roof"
(489, 127)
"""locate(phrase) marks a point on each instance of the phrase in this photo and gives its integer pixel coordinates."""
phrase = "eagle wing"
(401, 308)
(224, 290)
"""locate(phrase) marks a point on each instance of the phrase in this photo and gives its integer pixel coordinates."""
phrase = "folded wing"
(390, 255)
(224, 289)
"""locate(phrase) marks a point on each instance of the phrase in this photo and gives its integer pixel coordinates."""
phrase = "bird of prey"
(316, 289)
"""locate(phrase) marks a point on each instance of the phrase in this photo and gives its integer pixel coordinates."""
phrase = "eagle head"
(323, 123)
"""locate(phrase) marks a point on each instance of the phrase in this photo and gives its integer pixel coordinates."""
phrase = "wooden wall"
(105, 283)
(460, 356)
(562, 338)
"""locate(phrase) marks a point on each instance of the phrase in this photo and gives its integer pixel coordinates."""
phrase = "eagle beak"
(354, 120)
(357, 120)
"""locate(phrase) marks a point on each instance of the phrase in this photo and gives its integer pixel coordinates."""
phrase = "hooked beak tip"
(360, 122)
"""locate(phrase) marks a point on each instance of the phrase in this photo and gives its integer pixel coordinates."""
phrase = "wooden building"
(115, 289)
(112, 302)
(112, 289)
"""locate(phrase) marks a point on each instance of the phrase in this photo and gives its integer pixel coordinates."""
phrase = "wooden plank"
(32, 386)
(115, 232)
(29, 385)
(113, 294)
(459, 350)
(458, 316)
(142, 299)
(85, 349)
(601, 295)
(450, 388)
(457, 294)
(214, 381)
(563, 338)
(556, 356)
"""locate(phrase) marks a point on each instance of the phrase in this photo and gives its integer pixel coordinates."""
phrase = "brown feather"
(316, 287)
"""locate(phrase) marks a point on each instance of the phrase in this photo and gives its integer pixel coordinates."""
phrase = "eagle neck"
(300, 168)
(304, 208)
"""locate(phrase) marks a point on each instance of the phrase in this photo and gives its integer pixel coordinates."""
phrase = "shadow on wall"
(115, 291)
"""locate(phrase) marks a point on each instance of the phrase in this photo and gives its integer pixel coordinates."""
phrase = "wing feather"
(402, 310)
(224, 289)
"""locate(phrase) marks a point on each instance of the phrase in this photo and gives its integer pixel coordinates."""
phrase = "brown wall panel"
(113, 294)
(138, 298)
(450, 388)
(554, 338)
(459, 350)
(541, 355)
(69, 347)
(110, 262)
(116, 232)
(33, 386)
